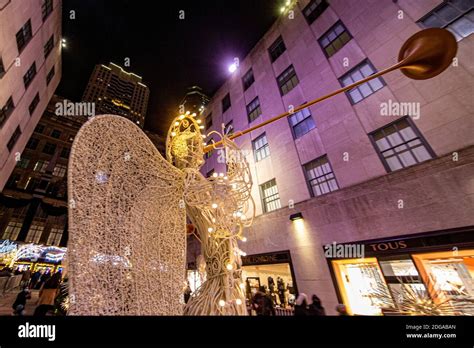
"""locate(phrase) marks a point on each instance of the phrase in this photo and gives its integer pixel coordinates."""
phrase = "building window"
(55, 133)
(277, 49)
(261, 149)
(23, 36)
(34, 103)
(455, 15)
(46, 8)
(34, 234)
(226, 103)
(248, 79)
(48, 47)
(30, 74)
(400, 145)
(208, 121)
(301, 122)
(334, 39)
(65, 152)
(314, 9)
(287, 80)
(270, 196)
(40, 128)
(361, 71)
(209, 173)
(320, 176)
(208, 154)
(23, 163)
(50, 75)
(2, 68)
(229, 128)
(254, 110)
(12, 230)
(32, 144)
(60, 170)
(49, 148)
(41, 166)
(14, 138)
(55, 236)
(6, 111)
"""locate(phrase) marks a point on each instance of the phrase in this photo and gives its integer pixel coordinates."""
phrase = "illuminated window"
(41, 166)
(261, 149)
(301, 122)
(287, 80)
(12, 230)
(254, 110)
(457, 16)
(55, 236)
(334, 39)
(60, 170)
(320, 176)
(400, 145)
(270, 196)
(361, 71)
(34, 234)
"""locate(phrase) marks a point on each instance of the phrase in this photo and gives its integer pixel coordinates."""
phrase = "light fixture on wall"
(296, 216)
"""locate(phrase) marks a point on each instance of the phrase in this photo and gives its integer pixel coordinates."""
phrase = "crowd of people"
(263, 305)
(48, 284)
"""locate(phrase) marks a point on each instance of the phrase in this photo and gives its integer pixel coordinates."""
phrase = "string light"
(214, 175)
(214, 205)
(238, 301)
(210, 229)
(222, 303)
(229, 266)
(244, 239)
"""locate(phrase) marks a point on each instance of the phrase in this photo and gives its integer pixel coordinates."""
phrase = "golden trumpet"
(424, 55)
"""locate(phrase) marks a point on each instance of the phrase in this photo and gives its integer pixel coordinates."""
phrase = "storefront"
(21, 256)
(435, 267)
(272, 271)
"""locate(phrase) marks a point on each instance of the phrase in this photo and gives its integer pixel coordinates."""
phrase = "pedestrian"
(49, 290)
(301, 305)
(35, 279)
(6, 272)
(187, 293)
(45, 276)
(25, 279)
(316, 307)
(262, 303)
(20, 302)
(341, 309)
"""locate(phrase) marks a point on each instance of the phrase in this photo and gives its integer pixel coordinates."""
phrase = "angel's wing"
(126, 248)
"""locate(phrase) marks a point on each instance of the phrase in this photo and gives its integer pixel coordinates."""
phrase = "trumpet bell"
(427, 53)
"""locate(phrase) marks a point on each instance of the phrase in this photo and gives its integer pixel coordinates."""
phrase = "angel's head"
(184, 145)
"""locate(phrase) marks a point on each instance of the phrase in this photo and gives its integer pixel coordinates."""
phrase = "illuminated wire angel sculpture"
(127, 217)
(128, 206)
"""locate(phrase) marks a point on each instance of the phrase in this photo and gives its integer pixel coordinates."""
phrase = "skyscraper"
(116, 91)
(30, 70)
(194, 100)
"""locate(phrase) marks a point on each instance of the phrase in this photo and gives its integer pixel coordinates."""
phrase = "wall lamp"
(296, 216)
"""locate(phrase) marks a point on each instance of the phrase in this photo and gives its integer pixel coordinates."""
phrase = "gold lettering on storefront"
(388, 246)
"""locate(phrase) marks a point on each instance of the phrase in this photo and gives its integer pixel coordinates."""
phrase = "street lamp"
(232, 68)
(63, 43)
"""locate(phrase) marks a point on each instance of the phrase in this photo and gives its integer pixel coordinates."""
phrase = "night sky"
(169, 53)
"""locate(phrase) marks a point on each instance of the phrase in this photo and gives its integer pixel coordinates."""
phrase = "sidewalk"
(7, 299)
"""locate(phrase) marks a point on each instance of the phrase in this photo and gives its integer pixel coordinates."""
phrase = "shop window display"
(273, 279)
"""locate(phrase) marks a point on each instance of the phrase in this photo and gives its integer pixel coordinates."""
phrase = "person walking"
(316, 307)
(301, 305)
(20, 302)
(262, 303)
(34, 279)
(25, 278)
(49, 290)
